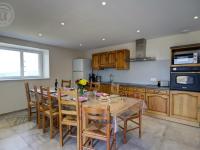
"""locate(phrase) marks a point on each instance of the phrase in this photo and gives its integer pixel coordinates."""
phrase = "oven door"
(185, 81)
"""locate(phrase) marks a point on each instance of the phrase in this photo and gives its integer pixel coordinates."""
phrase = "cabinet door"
(138, 95)
(185, 105)
(103, 59)
(158, 103)
(122, 57)
(112, 59)
(105, 88)
(95, 62)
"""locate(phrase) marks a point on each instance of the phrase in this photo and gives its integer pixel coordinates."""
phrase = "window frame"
(21, 51)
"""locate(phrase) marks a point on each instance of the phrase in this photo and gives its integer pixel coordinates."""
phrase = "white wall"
(12, 93)
(142, 72)
(158, 47)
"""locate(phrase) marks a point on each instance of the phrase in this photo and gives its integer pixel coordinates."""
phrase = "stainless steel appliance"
(163, 83)
(185, 78)
(80, 69)
(186, 57)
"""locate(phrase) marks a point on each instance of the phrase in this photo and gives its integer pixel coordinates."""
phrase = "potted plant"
(81, 84)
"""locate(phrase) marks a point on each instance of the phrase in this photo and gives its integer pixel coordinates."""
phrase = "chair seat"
(54, 113)
(128, 115)
(95, 130)
(70, 120)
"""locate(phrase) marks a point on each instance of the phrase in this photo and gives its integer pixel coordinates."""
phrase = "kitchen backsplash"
(140, 72)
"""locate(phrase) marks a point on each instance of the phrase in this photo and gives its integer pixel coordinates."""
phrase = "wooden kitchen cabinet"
(105, 88)
(103, 60)
(95, 61)
(136, 92)
(122, 57)
(157, 103)
(185, 105)
(111, 59)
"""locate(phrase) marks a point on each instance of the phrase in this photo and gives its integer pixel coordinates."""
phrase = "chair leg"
(51, 127)
(38, 120)
(125, 129)
(36, 115)
(43, 122)
(61, 135)
(140, 126)
(29, 113)
(114, 138)
(108, 144)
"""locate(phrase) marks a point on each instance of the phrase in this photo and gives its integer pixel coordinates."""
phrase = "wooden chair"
(95, 86)
(31, 104)
(66, 83)
(49, 110)
(69, 112)
(114, 89)
(131, 116)
(99, 127)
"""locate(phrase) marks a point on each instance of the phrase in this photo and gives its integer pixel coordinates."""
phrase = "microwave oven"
(186, 57)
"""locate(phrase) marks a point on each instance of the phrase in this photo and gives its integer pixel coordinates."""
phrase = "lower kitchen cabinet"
(105, 88)
(158, 104)
(185, 105)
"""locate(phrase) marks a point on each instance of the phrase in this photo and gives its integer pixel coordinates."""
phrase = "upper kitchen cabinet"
(112, 59)
(103, 60)
(95, 62)
(122, 57)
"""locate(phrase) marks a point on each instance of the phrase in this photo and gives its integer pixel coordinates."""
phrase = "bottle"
(56, 84)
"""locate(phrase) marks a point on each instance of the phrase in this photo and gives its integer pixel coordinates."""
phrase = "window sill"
(2, 80)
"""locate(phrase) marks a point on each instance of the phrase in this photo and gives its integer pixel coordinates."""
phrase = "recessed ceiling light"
(138, 31)
(196, 17)
(40, 34)
(81, 44)
(185, 31)
(62, 23)
(103, 3)
(103, 39)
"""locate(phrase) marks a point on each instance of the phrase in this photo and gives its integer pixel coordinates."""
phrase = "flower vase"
(81, 91)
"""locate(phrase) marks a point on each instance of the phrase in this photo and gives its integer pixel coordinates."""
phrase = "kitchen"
(154, 62)
(166, 99)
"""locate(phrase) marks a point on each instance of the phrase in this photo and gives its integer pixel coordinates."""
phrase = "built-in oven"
(186, 57)
(185, 78)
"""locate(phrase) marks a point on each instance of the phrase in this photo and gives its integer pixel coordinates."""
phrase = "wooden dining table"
(117, 104)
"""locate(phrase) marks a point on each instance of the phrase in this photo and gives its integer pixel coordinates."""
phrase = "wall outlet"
(153, 79)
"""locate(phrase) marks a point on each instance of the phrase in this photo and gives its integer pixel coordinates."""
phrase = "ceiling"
(87, 21)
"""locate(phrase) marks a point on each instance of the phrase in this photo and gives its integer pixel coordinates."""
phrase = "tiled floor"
(18, 134)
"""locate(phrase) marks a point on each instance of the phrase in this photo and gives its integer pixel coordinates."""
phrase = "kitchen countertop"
(138, 85)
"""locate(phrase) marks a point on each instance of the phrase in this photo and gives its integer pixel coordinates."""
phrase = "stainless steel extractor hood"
(141, 52)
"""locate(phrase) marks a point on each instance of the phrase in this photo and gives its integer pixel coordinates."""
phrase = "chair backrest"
(28, 96)
(95, 86)
(46, 100)
(36, 94)
(100, 116)
(67, 106)
(114, 89)
(66, 83)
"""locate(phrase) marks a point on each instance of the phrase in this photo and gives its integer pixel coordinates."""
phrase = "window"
(31, 64)
(9, 63)
(23, 63)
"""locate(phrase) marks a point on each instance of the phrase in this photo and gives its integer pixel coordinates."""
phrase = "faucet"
(111, 78)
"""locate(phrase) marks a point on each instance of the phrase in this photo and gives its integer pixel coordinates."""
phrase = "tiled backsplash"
(140, 72)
